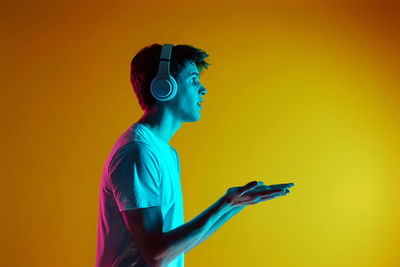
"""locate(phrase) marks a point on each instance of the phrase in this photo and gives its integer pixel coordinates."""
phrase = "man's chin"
(193, 119)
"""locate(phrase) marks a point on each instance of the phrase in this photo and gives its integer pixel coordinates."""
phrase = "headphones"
(164, 87)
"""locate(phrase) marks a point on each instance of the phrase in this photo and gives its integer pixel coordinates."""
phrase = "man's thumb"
(249, 186)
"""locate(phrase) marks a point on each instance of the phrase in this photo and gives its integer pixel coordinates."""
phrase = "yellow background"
(298, 91)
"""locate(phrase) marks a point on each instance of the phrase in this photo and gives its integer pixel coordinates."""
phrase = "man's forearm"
(226, 217)
(185, 237)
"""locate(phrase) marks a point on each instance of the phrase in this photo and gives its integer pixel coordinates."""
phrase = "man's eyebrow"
(194, 73)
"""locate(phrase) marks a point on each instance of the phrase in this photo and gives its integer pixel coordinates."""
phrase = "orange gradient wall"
(298, 91)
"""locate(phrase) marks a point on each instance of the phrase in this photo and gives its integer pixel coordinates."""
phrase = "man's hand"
(255, 192)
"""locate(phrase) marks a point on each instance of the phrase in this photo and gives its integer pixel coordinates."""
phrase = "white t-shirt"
(141, 171)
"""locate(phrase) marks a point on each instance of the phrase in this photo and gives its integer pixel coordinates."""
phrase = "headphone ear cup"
(174, 89)
(163, 89)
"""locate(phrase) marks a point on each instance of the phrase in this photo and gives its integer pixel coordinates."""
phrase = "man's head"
(185, 60)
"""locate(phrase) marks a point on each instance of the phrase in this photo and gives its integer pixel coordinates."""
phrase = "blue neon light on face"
(186, 103)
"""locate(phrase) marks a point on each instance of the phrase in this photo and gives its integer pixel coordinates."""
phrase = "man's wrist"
(225, 204)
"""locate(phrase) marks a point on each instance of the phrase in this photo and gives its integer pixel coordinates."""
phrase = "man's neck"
(161, 123)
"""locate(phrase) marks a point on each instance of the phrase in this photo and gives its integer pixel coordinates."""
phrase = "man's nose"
(203, 91)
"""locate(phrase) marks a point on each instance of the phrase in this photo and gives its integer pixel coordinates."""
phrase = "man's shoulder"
(130, 154)
(131, 149)
(129, 142)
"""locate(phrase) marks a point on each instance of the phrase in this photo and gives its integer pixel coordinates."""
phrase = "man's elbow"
(157, 257)
(155, 262)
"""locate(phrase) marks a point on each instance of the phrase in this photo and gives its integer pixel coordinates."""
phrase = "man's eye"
(194, 80)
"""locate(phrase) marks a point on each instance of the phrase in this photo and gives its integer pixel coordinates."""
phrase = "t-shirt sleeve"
(135, 177)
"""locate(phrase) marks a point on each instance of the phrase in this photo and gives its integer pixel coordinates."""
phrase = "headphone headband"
(165, 58)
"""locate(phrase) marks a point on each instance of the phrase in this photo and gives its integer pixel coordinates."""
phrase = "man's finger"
(282, 185)
(274, 196)
(277, 186)
(249, 186)
(264, 198)
(270, 197)
(274, 192)
(262, 191)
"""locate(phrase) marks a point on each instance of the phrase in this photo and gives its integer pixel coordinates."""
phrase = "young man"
(141, 210)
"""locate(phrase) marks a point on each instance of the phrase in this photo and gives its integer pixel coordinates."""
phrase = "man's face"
(185, 104)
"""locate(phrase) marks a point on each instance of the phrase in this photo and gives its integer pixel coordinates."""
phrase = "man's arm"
(221, 221)
(159, 249)
(227, 216)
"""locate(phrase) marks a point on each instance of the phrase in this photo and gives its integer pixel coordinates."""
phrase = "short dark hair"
(145, 64)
